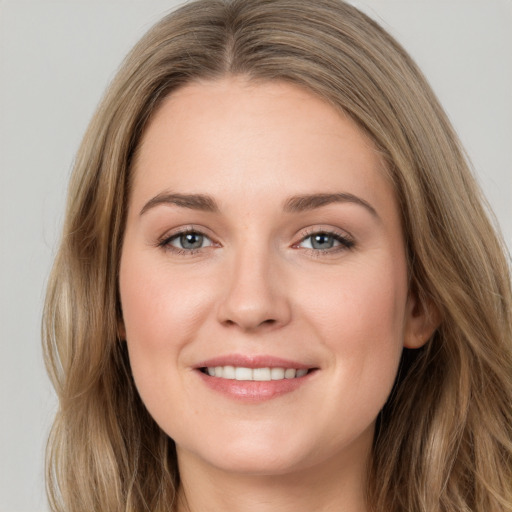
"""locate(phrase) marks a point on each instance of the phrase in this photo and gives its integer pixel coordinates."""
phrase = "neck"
(326, 487)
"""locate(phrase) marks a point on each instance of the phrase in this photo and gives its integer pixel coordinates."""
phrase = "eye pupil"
(191, 240)
(322, 241)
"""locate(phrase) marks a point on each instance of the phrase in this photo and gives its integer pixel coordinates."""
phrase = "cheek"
(160, 308)
(361, 321)
(162, 311)
(362, 297)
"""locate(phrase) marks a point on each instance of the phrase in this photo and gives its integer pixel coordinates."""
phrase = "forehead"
(262, 138)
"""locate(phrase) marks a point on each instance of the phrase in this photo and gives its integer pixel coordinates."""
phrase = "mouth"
(263, 374)
(254, 378)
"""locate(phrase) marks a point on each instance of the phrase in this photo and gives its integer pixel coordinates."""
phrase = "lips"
(253, 378)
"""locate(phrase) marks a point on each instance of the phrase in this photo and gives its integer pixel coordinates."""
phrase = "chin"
(256, 455)
(256, 465)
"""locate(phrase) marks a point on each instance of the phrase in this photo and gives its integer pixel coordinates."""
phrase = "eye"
(325, 241)
(188, 241)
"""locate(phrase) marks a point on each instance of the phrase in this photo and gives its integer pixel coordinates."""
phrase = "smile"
(254, 378)
(254, 374)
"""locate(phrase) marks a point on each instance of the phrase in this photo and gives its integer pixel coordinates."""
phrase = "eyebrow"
(312, 201)
(295, 204)
(192, 201)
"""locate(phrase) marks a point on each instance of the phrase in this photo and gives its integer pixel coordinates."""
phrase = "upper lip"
(252, 361)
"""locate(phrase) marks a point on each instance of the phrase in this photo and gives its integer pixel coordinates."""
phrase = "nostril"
(269, 322)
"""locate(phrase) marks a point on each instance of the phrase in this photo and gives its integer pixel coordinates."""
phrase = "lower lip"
(253, 391)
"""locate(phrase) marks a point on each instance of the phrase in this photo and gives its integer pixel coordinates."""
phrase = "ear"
(422, 319)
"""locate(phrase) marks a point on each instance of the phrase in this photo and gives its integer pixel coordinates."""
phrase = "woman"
(278, 286)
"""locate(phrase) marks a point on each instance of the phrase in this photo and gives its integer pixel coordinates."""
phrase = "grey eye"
(190, 241)
(324, 241)
(320, 241)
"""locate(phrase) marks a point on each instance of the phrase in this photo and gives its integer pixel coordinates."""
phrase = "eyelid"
(345, 239)
(164, 241)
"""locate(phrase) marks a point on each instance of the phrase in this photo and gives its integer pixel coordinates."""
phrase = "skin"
(257, 287)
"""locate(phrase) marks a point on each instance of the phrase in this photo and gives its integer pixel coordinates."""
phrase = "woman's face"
(263, 279)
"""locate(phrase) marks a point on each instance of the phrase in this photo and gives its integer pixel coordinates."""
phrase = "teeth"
(228, 372)
(243, 373)
(255, 374)
(277, 373)
(261, 374)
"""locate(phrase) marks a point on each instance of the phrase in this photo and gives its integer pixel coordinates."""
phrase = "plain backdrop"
(56, 58)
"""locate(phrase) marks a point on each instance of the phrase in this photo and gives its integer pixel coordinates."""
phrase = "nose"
(255, 295)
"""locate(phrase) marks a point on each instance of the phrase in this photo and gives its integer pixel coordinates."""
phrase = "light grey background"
(56, 58)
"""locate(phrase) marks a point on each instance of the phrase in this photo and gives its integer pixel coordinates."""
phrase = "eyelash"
(345, 242)
(165, 243)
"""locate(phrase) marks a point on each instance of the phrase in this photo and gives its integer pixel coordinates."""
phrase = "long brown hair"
(444, 438)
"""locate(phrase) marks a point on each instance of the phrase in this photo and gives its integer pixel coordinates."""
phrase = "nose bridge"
(255, 295)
